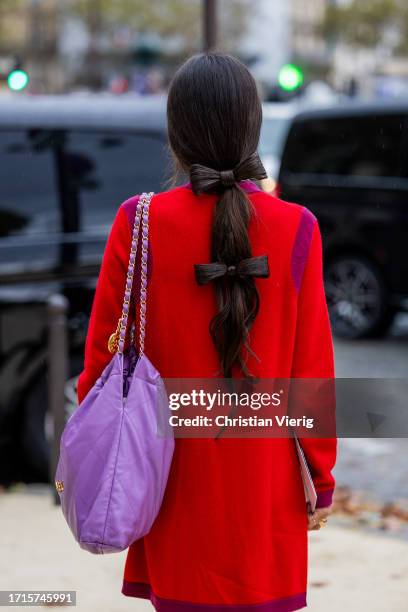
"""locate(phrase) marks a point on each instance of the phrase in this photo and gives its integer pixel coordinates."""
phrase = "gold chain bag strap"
(116, 340)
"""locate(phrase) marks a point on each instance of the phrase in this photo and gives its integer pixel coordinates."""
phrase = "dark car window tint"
(104, 169)
(28, 194)
(354, 146)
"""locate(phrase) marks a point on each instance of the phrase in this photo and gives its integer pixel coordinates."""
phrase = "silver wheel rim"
(353, 296)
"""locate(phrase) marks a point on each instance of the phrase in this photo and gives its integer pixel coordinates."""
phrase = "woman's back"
(179, 310)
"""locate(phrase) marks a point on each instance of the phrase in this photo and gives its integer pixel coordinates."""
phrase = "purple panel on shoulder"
(130, 209)
(301, 246)
(249, 186)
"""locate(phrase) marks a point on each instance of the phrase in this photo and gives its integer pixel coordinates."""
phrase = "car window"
(28, 186)
(363, 146)
(273, 132)
(102, 169)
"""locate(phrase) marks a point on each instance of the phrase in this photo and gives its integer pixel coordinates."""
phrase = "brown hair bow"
(205, 179)
(253, 266)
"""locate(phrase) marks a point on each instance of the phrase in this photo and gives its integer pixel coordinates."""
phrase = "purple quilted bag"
(116, 448)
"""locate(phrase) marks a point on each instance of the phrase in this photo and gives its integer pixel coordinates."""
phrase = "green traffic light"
(290, 77)
(17, 80)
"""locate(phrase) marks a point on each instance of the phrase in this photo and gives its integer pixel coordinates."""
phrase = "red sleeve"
(107, 303)
(314, 358)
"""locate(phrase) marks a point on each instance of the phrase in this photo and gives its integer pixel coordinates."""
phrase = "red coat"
(232, 530)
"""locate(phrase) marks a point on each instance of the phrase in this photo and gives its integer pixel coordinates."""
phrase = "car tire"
(35, 445)
(357, 297)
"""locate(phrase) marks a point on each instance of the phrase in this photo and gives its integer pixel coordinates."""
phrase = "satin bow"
(253, 266)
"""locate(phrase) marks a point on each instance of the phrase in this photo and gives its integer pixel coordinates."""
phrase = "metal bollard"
(57, 308)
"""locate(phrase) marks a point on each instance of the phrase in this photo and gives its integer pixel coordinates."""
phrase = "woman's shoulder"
(181, 200)
(291, 223)
(159, 200)
(273, 207)
(293, 227)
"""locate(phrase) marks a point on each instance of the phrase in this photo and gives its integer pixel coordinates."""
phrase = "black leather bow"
(205, 179)
(253, 266)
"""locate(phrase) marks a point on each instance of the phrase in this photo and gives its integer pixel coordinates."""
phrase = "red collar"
(247, 185)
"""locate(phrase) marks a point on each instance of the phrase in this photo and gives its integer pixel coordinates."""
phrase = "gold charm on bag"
(113, 342)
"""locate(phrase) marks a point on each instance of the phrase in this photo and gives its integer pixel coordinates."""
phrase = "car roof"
(279, 110)
(147, 113)
(349, 108)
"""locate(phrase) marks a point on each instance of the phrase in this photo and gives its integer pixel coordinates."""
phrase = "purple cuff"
(324, 498)
(143, 590)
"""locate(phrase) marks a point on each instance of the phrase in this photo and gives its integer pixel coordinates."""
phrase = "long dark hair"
(214, 118)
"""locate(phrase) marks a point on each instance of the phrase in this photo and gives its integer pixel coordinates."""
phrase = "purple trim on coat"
(247, 185)
(283, 604)
(301, 246)
(324, 498)
(130, 209)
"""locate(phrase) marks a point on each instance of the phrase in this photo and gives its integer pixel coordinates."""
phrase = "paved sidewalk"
(349, 569)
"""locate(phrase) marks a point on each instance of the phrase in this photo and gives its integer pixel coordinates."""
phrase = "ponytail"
(214, 118)
(235, 268)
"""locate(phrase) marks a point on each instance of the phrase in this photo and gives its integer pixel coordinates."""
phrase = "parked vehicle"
(66, 163)
(275, 126)
(348, 165)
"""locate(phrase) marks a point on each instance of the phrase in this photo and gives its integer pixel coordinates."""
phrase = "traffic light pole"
(210, 24)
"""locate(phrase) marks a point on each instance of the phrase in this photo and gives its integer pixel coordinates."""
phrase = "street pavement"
(349, 569)
(378, 466)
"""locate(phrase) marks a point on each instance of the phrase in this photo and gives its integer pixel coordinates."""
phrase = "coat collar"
(247, 185)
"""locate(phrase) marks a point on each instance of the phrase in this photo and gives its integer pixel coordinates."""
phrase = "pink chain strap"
(143, 271)
(117, 340)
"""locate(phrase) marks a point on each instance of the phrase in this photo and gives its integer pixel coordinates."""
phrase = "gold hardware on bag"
(59, 485)
(113, 342)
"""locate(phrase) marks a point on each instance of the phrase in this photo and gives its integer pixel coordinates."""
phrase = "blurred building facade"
(282, 32)
(306, 40)
(266, 43)
(29, 33)
(68, 45)
(66, 48)
(88, 44)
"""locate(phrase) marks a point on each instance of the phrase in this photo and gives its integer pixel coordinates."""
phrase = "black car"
(349, 166)
(66, 163)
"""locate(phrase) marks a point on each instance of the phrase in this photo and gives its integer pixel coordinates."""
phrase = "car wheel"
(35, 442)
(356, 298)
